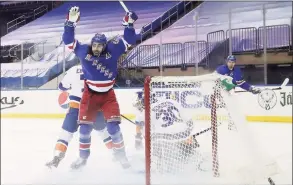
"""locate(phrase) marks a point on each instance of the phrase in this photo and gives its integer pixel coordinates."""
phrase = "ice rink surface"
(27, 144)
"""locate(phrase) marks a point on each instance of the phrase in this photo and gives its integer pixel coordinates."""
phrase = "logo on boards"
(286, 98)
(267, 99)
(10, 102)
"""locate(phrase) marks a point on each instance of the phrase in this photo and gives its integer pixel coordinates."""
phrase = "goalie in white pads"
(168, 109)
(73, 82)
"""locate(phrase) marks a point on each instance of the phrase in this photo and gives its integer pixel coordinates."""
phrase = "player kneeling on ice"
(99, 64)
(73, 82)
(229, 69)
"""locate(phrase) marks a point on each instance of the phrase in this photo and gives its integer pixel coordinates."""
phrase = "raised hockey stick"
(285, 82)
(124, 6)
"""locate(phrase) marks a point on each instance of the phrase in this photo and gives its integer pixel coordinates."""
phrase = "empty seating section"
(178, 46)
(43, 35)
(173, 54)
(176, 54)
(95, 17)
(277, 36)
(244, 39)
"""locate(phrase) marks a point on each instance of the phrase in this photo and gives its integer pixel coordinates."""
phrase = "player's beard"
(98, 50)
(96, 53)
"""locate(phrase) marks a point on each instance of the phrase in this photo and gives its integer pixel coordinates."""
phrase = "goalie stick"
(204, 131)
(285, 82)
(194, 135)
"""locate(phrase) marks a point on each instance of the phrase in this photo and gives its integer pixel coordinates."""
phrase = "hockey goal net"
(194, 134)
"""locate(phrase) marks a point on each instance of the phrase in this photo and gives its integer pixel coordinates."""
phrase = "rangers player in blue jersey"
(233, 71)
(99, 64)
(73, 83)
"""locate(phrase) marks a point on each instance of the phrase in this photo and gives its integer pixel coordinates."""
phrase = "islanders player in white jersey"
(139, 119)
(73, 82)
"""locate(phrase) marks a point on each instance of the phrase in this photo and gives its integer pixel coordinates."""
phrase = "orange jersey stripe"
(74, 105)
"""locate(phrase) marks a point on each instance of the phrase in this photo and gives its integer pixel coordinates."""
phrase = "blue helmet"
(231, 58)
(99, 38)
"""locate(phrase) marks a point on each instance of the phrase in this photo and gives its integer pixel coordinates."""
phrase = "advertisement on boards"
(269, 105)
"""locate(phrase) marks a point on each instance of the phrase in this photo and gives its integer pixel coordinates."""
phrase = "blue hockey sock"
(117, 138)
(85, 140)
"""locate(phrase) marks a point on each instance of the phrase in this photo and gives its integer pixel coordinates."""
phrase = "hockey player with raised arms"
(229, 69)
(73, 83)
(99, 64)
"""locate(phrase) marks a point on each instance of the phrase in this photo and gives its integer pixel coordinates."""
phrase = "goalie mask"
(98, 44)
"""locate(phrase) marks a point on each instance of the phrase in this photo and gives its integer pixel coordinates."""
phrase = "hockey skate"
(138, 142)
(120, 156)
(56, 160)
(79, 163)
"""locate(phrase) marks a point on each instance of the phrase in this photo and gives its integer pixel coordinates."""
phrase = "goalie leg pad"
(85, 140)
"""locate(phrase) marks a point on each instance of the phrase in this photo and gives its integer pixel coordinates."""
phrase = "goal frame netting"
(214, 97)
(147, 95)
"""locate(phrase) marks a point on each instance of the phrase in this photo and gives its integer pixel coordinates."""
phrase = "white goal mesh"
(194, 134)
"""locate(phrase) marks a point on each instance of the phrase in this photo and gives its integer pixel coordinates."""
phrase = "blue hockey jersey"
(236, 74)
(99, 72)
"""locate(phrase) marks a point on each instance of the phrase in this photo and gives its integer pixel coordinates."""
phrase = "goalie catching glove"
(129, 19)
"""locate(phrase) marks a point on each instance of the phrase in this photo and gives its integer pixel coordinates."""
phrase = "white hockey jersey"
(73, 82)
(139, 110)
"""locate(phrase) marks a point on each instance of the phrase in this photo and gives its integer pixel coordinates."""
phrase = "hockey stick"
(285, 82)
(204, 131)
(124, 6)
(271, 181)
(197, 134)
(127, 119)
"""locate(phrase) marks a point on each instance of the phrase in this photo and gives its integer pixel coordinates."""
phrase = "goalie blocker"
(168, 123)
